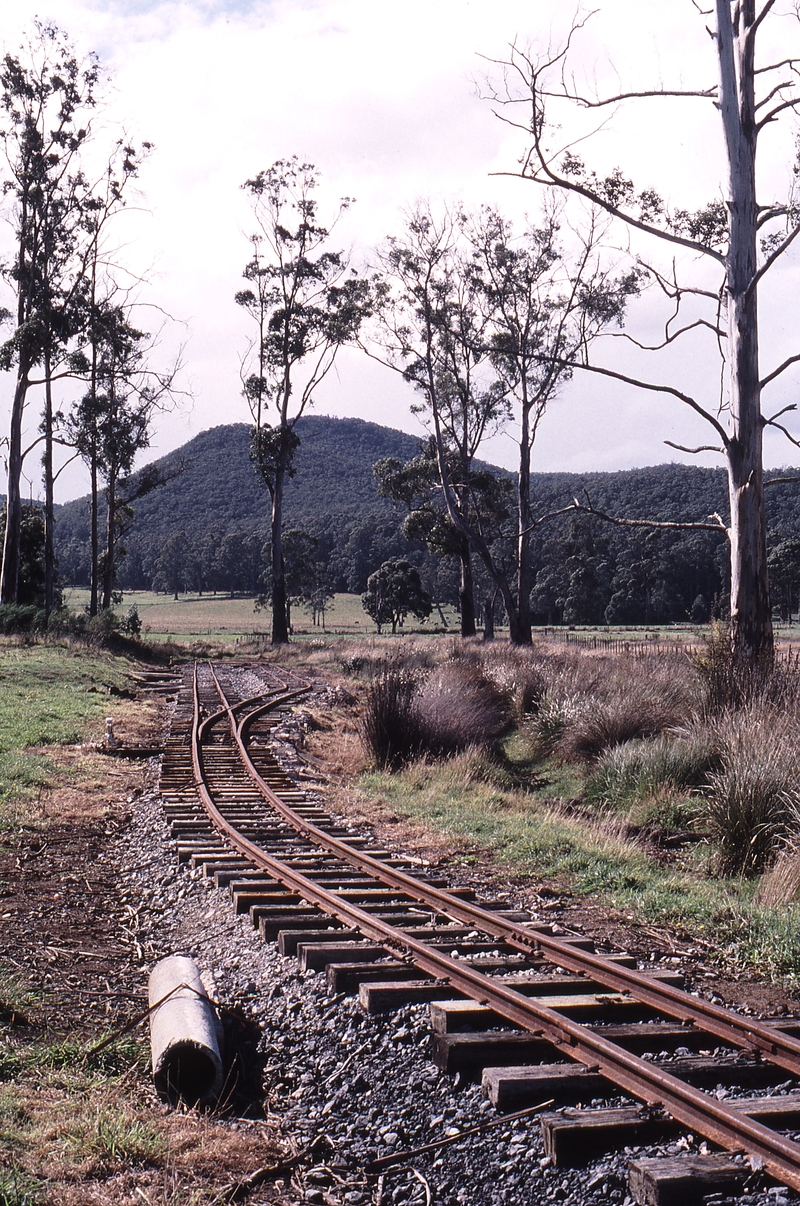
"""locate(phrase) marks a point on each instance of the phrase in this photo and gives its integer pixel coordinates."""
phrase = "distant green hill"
(587, 569)
(218, 489)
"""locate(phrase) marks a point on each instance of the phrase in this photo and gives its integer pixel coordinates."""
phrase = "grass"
(193, 617)
(49, 694)
(530, 836)
(78, 1118)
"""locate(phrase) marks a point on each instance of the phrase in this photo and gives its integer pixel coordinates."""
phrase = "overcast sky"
(385, 98)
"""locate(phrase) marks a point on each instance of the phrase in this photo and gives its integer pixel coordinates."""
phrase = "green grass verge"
(528, 834)
(48, 695)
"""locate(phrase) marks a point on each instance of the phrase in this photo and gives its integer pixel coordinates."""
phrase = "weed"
(110, 1138)
(19, 1189)
(15, 999)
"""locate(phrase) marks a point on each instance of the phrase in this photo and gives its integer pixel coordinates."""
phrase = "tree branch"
(707, 93)
(770, 260)
(784, 410)
(714, 524)
(694, 451)
(790, 360)
(773, 113)
(552, 179)
(660, 389)
(657, 347)
(792, 439)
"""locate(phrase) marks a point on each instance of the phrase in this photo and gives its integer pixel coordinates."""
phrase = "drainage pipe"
(183, 1032)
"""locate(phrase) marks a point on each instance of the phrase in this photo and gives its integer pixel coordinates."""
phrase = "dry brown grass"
(780, 885)
(458, 707)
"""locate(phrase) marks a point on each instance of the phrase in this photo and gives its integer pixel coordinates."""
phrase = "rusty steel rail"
(749, 1034)
(713, 1119)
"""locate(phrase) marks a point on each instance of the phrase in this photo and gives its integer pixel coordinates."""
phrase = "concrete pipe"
(183, 1032)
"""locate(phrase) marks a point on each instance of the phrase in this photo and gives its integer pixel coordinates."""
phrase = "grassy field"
(527, 833)
(619, 780)
(218, 617)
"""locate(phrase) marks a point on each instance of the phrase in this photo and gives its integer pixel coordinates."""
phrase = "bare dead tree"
(740, 237)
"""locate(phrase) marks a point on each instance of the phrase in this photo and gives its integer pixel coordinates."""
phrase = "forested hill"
(207, 526)
(218, 489)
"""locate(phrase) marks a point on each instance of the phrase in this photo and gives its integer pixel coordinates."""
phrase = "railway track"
(544, 1016)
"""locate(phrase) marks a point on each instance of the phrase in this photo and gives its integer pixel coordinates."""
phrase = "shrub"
(389, 726)
(102, 626)
(132, 624)
(755, 795)
(17, 617)
(458, 707)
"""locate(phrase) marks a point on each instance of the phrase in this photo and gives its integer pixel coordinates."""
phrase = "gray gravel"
(324, 1068)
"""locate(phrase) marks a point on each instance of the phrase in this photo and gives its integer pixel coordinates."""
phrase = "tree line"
(71, 336)
(487, 323)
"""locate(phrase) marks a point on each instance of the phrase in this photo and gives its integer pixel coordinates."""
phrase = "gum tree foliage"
(46, 98)
(784, 576)
(31, 588)
(486, 325)
(309, 582)
(58, 214)
(110, 426)
(416, 485)
(305, 304)
(738, 235)
(393, 592)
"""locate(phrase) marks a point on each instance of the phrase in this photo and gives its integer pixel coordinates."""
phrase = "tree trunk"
(466, 593)
(108, 565)
(94, 540)
(280, 628)
(751, 618)
(477, 541)
(525, 520)
(488, 619)
(9, 572)
(49, 507)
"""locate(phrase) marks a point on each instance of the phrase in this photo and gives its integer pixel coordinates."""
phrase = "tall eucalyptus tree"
(305, 305)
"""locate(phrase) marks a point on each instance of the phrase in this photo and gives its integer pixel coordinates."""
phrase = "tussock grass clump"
(754, 798)
(780, 885)
(641, 769)
(457, 707)
(405, 716)
(389, 726)
(518, 674)
(623, 716)
(591, 704)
